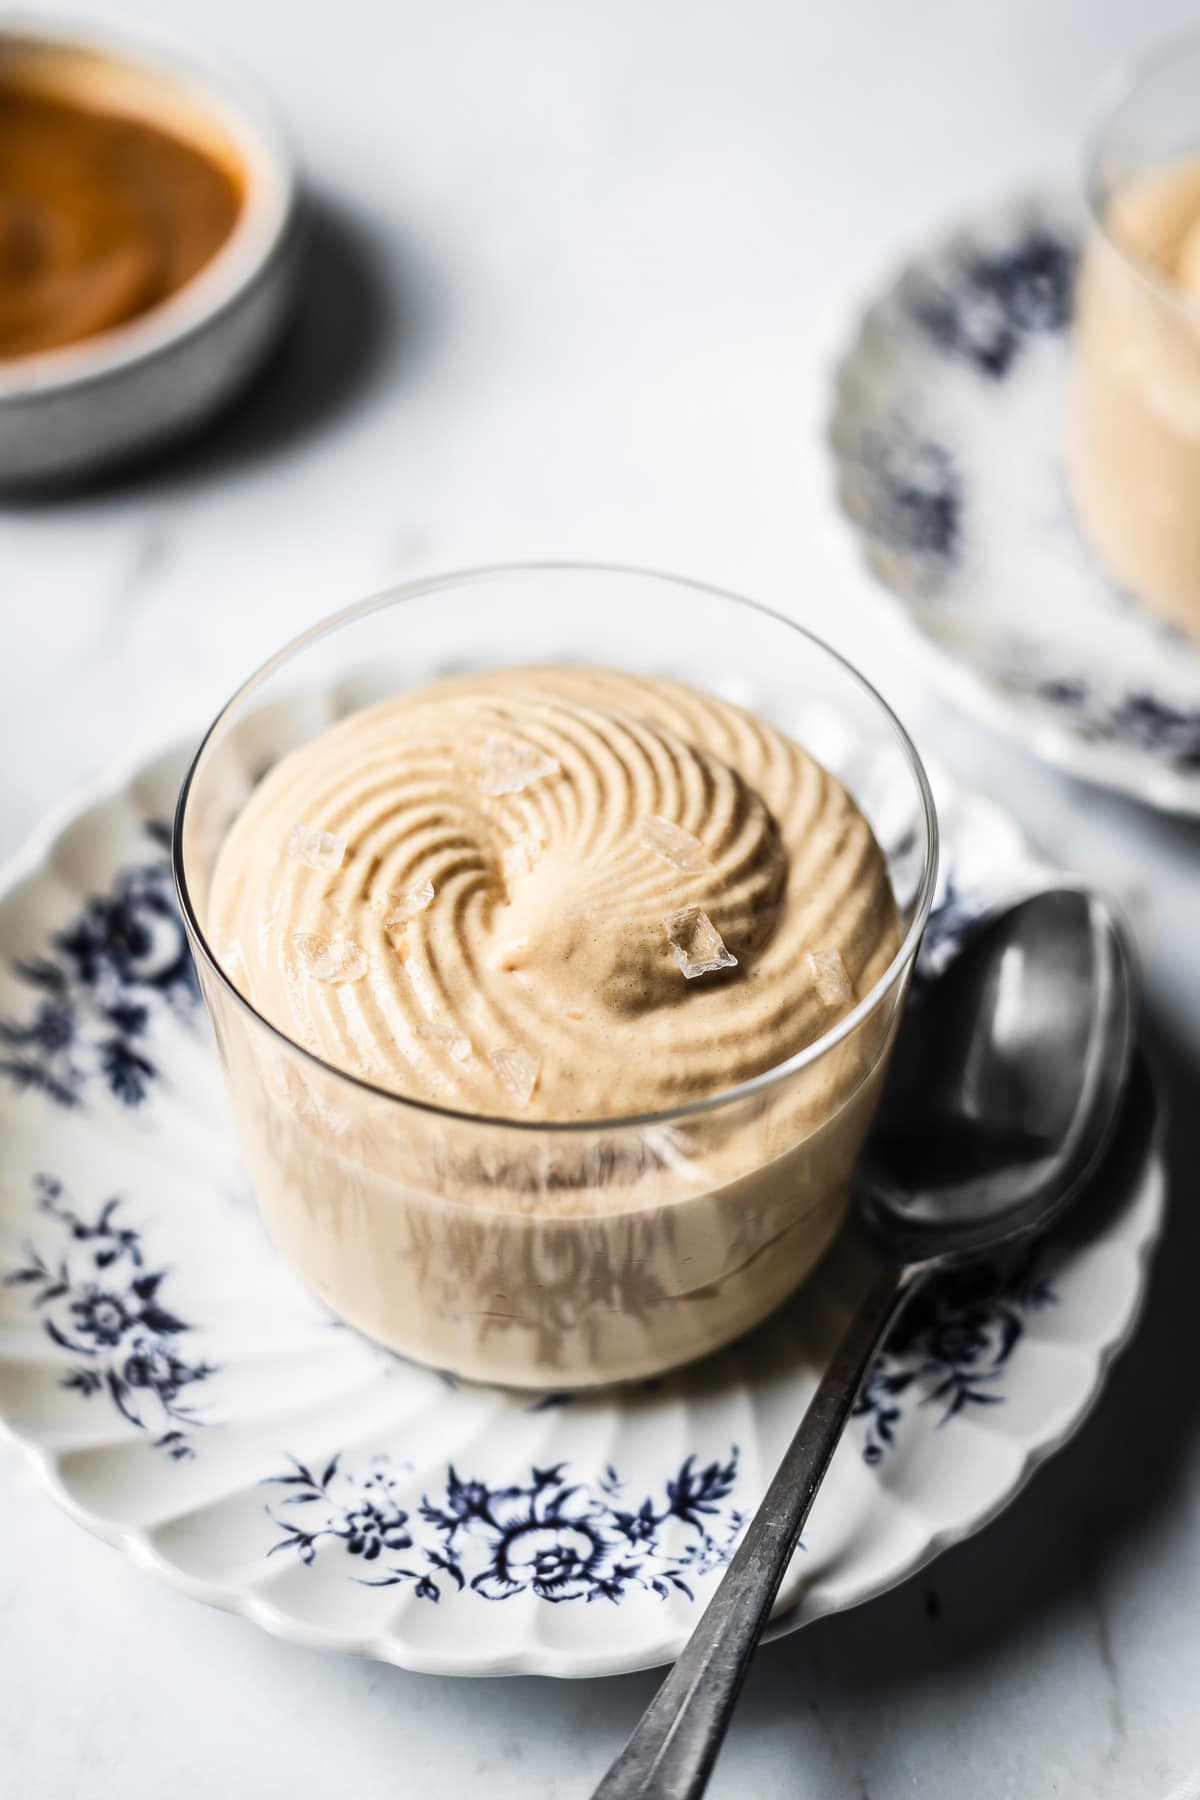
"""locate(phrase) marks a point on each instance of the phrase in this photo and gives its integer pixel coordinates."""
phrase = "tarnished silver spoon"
(1004, 1088)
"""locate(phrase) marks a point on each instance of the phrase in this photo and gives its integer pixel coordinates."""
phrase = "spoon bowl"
(1004, 1084)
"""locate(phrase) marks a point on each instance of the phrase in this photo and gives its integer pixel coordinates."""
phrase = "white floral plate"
(946, 433)
(184, 1398)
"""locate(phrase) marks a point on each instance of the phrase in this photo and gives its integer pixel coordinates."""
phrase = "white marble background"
(579, 270)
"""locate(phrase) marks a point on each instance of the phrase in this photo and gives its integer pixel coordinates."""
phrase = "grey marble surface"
(577, 274)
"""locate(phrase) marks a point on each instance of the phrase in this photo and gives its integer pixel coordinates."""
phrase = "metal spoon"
(1004, 1087)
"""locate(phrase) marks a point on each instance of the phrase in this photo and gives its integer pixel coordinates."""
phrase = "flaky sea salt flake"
(510, 765)
(316, 849)
(417, 900)
(519, 859)
(455, 1042)
(829, 977)
(698, 945)
(331, 960)
(518, 1071)
(673, 844)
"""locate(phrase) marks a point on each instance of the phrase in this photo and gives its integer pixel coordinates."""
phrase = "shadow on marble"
(351, 317)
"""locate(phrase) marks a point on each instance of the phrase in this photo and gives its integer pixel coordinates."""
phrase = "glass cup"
(1134, 430)
(523, 1252)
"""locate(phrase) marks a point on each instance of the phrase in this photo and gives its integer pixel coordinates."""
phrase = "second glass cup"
(1134, 431)
(532, 1252)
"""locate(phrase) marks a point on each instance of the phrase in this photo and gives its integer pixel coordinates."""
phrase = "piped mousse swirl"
(552, 893)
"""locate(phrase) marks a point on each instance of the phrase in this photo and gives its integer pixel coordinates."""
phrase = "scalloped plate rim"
(1107, 766)
(135, 1544)
(533, 1659)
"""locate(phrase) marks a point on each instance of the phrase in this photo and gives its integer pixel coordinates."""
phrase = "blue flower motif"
(123, 961)
(549, 1540)
(988, 304)
(1146, 722)
(913, 500)
(99, 1303)
(99, 1315)
(639, 1527)
(553, 1536)
(950, 1348)
(466, 1499)
(369, 1528)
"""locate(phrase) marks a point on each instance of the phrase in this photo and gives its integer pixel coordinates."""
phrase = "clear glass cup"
(1134, 429)
(521, 1252)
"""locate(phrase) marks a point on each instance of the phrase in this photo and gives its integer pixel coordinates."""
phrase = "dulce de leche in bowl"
(103, 214)
(554, 998)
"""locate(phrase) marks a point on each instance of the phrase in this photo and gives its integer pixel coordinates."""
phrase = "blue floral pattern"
(951, 473)
(108, 973)
(950, 1348)
(1148, 721)
(553, 1536)
(914, 501)
(985, 306)
(103, 1307)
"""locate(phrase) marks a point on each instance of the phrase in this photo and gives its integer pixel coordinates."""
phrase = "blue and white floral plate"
(184, 1398)
(947, 431)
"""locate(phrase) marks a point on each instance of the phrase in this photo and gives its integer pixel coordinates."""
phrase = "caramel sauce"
(101, 218)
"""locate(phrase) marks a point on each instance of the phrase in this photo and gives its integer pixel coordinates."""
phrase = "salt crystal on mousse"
(417, 900)
(316, 849)
(675, 845)
(518, 861)
(829, 976)
(518, 1072)
(698, 945)
(456, 1042)
(331, 960)
(509, 766)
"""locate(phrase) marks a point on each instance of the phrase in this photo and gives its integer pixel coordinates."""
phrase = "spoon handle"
(672, 1751)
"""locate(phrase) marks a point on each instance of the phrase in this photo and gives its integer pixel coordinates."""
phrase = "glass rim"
(1119, 87)
(397, 595)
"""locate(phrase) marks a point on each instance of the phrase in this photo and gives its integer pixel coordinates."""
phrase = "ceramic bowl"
(68, 412)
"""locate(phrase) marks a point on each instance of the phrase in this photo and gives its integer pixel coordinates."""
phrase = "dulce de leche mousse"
(563, 897)
(1135, 449)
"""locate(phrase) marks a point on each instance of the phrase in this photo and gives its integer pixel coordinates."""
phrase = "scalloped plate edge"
(532, 1660)
(1110, 767)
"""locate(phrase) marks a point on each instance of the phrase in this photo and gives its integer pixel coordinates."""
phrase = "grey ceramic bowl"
(69, 412)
